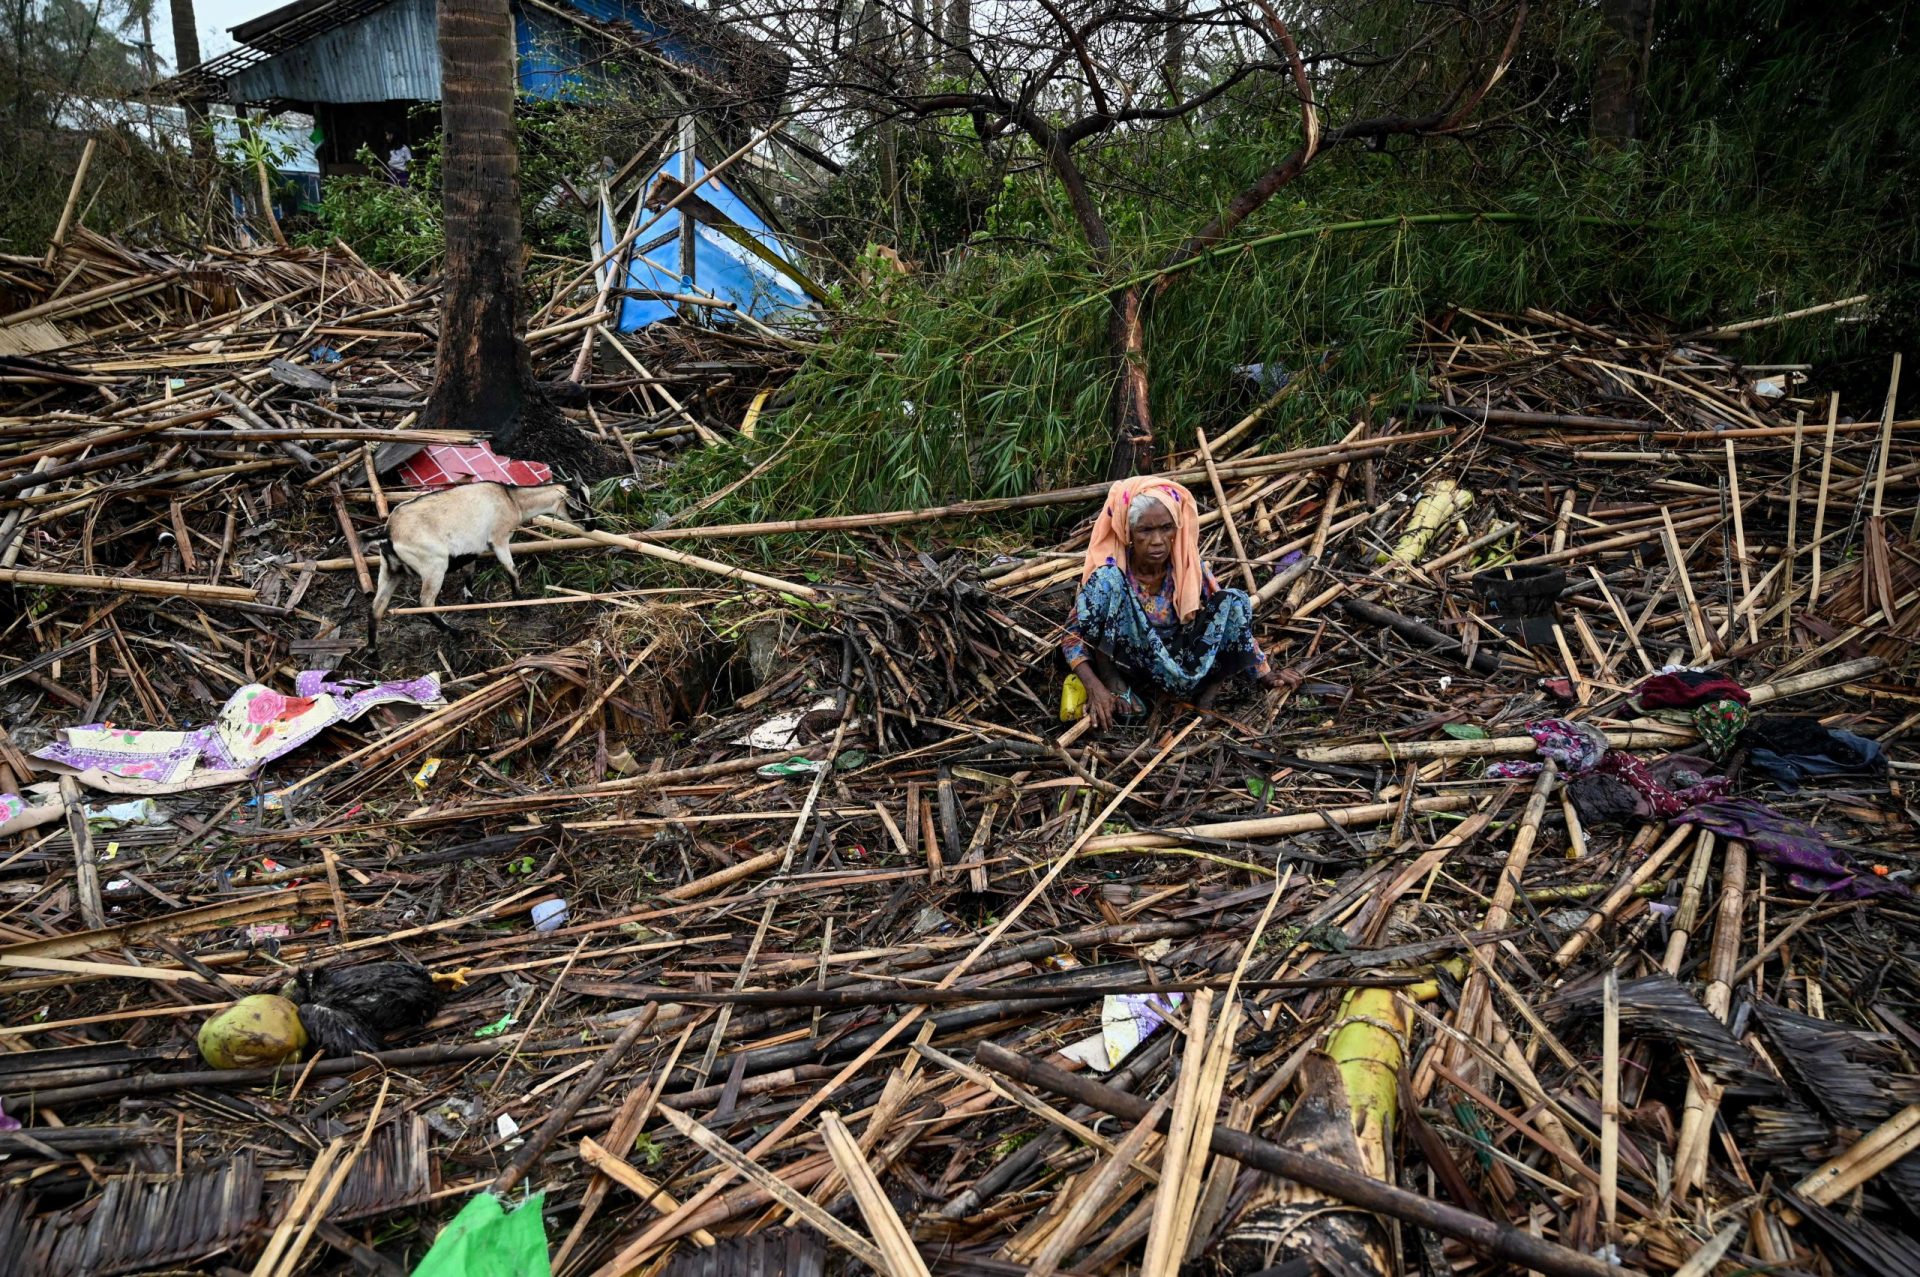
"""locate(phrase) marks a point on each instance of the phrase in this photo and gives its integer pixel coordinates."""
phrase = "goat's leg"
(432, 575)
(504, 552)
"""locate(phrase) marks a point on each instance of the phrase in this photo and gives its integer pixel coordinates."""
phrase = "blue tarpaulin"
(722, 268)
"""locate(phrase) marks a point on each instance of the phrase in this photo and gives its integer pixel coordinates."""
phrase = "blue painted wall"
(553, 51)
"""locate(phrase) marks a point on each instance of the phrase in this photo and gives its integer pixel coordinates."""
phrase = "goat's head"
(548, 498)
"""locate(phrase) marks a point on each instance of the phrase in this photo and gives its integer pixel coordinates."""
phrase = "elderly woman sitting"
(1149, 614)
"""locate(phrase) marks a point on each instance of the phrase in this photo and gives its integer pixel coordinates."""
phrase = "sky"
(213, 17)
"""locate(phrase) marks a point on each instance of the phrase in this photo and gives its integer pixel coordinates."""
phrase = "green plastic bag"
(486, 1241)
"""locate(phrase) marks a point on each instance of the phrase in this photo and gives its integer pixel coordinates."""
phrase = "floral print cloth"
(1143, 634)
(1579, 750)
(254, 727)
(1720, 724)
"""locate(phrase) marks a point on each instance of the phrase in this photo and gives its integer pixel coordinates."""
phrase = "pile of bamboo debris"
(967, 991)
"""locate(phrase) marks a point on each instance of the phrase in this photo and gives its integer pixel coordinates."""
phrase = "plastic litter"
(487, 1240)
(793, 767)
(1126, 1020)
(1073, 699)
(549, 915)
(257, 725)
(782, 731)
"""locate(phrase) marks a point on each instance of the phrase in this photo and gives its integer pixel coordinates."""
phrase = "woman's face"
(1150, 543)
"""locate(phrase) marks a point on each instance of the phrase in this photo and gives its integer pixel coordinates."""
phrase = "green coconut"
(254, 1032)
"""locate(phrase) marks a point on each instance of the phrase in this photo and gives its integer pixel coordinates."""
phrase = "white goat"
(473, 518)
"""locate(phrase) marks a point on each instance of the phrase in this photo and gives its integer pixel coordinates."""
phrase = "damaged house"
(360, 68)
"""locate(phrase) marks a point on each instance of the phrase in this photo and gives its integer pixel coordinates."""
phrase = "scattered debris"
(1557, 913)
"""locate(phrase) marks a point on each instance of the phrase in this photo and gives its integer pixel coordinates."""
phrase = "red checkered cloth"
(448, 465)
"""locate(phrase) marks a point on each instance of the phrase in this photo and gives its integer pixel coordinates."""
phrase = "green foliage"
(946, 192)
(61, 62)
(561, 144)
(387, 223)
(991, 377)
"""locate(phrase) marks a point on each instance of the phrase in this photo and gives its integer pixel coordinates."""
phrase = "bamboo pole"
(1282, 463)
(1740, 550)
(1277, 826)
(1166, 1239)
(59, 239)
(683, 559)
(1820, 504)
(1610, 1100)
(1687, 917)
(889, 1233)
(1475, 1001)
(746, 1165)
(1696, 620)
(1727, 330)
(1632, 738)
(1620, 542)
(1793, 521)
(1226, 514)
(1880, 1148)
(1703, 1096)
(130, 585)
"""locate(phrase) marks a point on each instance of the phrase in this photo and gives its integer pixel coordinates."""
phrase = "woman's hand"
(1282, 680)
(1102, 705)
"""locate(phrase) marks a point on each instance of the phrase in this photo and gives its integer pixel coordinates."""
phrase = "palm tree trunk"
(483, 378)
(186, 54)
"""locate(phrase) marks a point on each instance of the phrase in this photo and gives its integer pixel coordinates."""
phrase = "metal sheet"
(390, 54)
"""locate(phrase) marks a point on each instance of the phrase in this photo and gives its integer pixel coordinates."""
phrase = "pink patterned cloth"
(254, 727)
(1579, 750)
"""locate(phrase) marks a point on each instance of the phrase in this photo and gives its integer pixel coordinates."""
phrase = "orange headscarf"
(1112, 535)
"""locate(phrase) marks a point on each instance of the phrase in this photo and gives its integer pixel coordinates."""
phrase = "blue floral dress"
(1143, 634)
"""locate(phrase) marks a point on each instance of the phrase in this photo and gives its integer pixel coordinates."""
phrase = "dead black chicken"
(349, 1009)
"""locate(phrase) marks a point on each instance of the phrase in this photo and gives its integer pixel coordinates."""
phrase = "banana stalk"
(1347, 1112)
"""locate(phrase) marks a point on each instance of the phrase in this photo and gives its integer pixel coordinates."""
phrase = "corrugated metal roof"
(389, 54)
(342, 51)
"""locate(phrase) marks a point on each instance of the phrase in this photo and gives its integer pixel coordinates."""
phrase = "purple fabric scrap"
(1574, 747)
(1813, 864)
(1580, 750)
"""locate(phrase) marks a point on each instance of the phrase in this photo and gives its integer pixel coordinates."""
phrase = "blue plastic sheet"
(721, 268)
